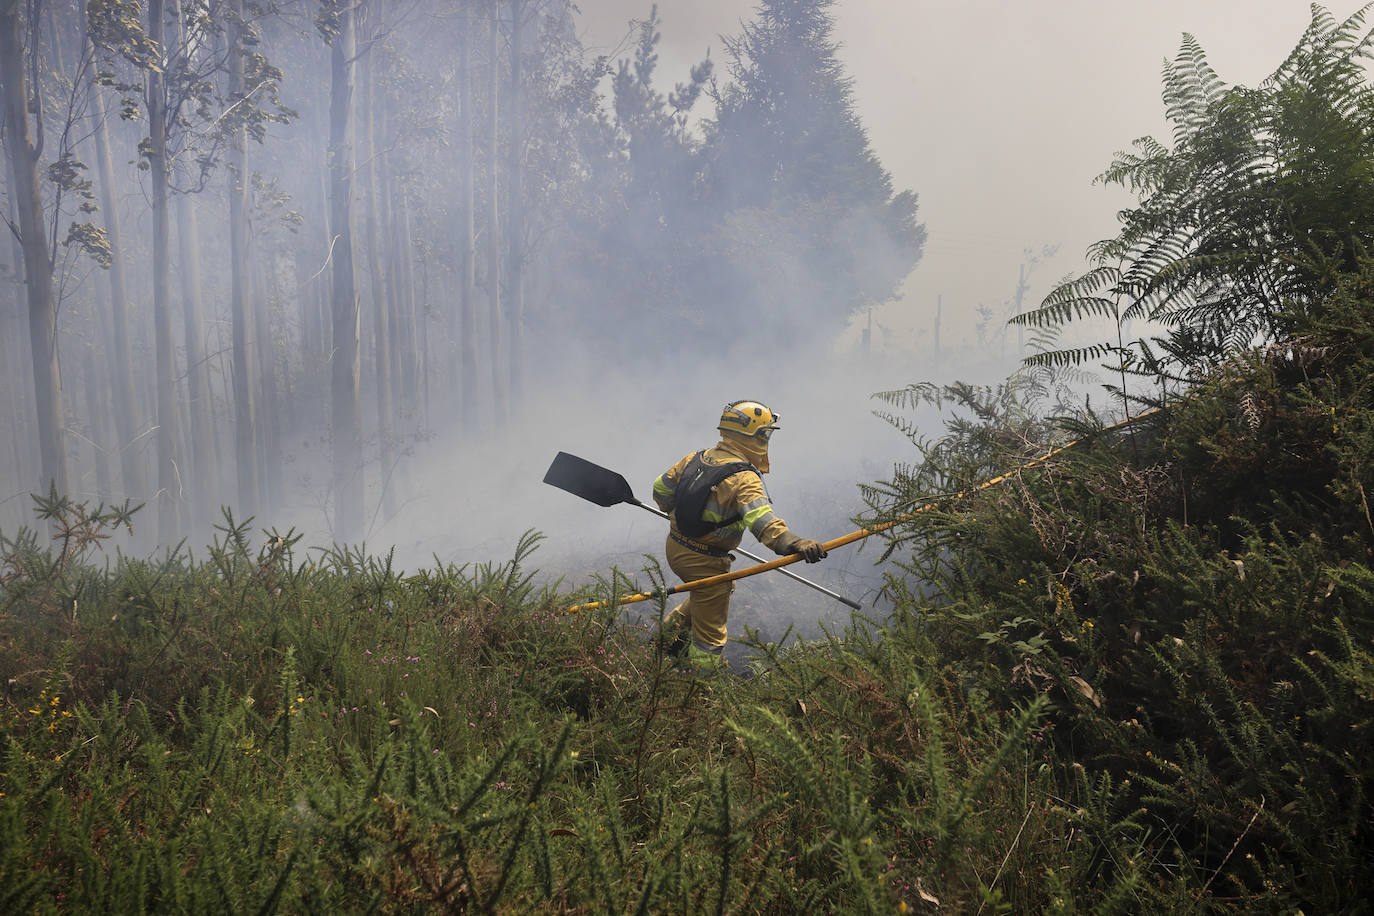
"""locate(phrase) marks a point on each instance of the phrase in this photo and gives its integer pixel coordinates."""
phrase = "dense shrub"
(1192, 594)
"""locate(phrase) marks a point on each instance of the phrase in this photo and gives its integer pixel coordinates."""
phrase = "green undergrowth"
(1138, 677)
(269, 732)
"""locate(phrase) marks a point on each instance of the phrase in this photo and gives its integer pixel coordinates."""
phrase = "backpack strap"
(694, 488)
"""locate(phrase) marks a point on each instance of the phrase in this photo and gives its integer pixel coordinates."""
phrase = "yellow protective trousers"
(708, 608)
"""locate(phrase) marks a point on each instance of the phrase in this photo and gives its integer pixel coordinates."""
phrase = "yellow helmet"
(748, 418)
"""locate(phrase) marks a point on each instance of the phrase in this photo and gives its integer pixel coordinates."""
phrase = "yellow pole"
(852, 536)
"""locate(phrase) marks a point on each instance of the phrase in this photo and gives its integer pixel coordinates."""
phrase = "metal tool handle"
(758, 559)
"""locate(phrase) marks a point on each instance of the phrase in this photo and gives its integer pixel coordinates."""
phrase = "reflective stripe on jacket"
(739, 494)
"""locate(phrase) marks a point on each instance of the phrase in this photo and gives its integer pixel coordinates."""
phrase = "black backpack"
(694, 489)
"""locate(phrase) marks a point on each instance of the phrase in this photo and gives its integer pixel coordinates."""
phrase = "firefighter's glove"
(811, 551)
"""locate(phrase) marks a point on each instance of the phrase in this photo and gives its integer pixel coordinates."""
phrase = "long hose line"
(852, 536)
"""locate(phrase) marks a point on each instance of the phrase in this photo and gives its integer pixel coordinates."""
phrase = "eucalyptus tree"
(249, 105)
(520, 22)
(1246, 224)
(64, 81)
(181, 53)
(17, 375)
(529, 157)
(467, 205)
(499, 387)
(43, 91)
(336, 22)
(384, 303)
(24, 144)
(246, 361)
(18, 458)
(204, 447)
(107, 31)
(47, 73)
(163, 110)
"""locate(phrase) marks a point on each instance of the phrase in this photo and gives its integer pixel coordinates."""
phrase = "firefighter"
(712, 497)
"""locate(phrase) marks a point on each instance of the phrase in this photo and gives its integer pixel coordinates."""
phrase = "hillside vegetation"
(1145, 684)
(1136, 677)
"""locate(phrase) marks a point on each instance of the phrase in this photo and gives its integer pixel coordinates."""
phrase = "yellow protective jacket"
(739, 494)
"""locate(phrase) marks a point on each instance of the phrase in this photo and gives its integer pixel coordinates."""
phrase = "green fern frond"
(1058, 313)
(1070, 357)
(1243, 222)
(1191, 86)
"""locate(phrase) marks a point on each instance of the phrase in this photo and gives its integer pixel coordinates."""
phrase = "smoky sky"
(998, 113)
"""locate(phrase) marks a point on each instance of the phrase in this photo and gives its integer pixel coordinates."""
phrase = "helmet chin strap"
(756, 450)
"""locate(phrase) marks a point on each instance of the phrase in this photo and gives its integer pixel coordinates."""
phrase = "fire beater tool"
(607, 488)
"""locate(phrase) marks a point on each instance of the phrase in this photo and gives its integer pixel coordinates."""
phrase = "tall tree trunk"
(280, 372)
(515, 229)
(312, 281)
(95, 374)
(168, 489)
(72, 421)
(401, 319)
(305, 310)
(403, 274)
(498, 376)
(245, 371)
(186, 481)
(344, 383)
(467, 243)
(203, 455)
(16, 373)
(24, 153)
(96, 431)
(270, 414)
(131, 466)
(382, 305)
